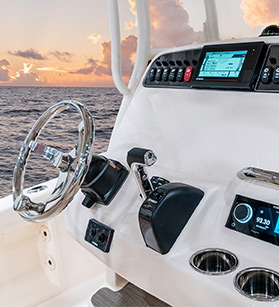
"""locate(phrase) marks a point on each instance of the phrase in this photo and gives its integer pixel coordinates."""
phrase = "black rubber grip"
(136, 155)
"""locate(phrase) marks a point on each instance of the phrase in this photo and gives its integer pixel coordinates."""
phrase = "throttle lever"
(138, 159)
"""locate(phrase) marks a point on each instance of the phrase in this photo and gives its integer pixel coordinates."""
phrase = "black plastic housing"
(99, 235)
(103, 180)
(165, 212)
(249, 73)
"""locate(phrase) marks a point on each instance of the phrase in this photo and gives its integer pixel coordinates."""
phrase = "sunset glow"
(66, 43)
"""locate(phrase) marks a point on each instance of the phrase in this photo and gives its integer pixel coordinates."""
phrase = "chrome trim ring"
(258, 284)
(214, 261)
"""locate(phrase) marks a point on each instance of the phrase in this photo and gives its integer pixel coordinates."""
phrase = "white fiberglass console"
(210, 116)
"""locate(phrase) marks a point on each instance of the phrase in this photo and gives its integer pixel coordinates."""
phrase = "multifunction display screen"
(267, 220)
(255, 218)
(229, 66)
(222, 64)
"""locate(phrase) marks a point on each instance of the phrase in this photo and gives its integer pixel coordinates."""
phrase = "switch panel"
(173, 69)
(269, 77)
(99, 235)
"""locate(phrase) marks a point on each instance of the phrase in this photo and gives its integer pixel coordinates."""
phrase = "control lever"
(138, 159)
(167, 206)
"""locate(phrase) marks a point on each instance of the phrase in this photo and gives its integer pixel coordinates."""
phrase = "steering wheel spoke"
(27, 205)
(72, 166)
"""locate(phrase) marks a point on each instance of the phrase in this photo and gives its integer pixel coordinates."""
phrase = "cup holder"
(214, 261)
(258, 283)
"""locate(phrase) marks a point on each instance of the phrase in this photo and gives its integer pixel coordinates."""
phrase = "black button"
(158, 76)
(173, 74)
(166, 74)
(152, 74)
(273, 61)
(275, 77)
(266, 74)
(241, 212)
(88, 202)
(102, 237)
(180, 74)
(194, 62)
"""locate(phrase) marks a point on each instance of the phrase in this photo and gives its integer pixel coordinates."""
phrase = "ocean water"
(22, 106)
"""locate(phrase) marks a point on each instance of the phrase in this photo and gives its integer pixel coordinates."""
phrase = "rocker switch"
(188, 73)
(266, 74)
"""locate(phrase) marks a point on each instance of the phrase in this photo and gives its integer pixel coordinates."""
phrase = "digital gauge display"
(222, 64)
(255, 218)
(229, 66)
(267, 221)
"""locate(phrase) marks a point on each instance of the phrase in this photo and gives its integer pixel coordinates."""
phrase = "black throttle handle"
(141, 156)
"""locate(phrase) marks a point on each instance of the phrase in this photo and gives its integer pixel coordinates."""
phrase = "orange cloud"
(132, 6)
(258, 12)
(165, 32)
(4, 72)
(128, 49)
(87, 70)
(94, 38)
(130, 25)
(25, 77)
(98, 72)
(48, 68)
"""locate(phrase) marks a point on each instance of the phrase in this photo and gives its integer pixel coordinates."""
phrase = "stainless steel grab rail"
(257, 174)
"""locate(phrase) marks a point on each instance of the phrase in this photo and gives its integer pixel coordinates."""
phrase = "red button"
(188, 73)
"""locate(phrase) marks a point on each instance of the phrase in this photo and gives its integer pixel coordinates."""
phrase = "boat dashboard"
(236, 66)
(185, 202)
(208, 114)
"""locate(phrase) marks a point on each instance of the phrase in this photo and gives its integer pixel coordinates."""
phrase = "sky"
(67, 42)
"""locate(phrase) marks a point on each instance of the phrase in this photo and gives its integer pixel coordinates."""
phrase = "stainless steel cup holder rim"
(214, 261)
(258, 283)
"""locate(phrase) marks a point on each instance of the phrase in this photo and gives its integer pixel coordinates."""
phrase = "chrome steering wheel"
(72, 166)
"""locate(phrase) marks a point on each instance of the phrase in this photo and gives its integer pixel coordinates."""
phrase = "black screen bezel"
(248, 228)
(248, 73)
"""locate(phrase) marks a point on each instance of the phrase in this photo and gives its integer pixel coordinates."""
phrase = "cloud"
(132, 6)
(90, 67)
(128, 49)
(28, 54)
(94, 38)
(25, 77)
(62, 56)
(4, 72)
(258, 12)
(4, 63)
(130, 25)
(165, 32)
(57, 69)
(103, 67)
